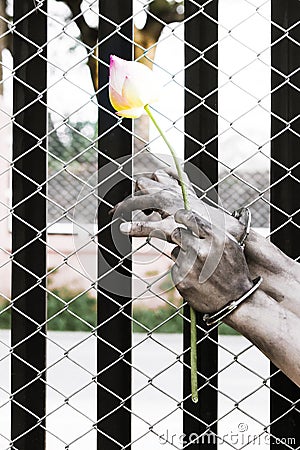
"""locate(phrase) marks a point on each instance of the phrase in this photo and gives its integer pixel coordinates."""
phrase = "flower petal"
(133, 113)
(133, 92)
(147, 87)
(117, 73)
(118, 102)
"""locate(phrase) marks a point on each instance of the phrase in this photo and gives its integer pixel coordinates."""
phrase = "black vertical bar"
(28, 223)
(285, 195)
(201, 126)
(115, 336)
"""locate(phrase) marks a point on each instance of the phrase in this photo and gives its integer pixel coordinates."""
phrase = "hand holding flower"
(132, 87)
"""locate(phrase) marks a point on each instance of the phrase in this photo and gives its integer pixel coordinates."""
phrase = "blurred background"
(73, 148)
(244, 129)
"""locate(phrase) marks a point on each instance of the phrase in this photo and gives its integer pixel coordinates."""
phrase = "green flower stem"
(177, 165)
(193, 335)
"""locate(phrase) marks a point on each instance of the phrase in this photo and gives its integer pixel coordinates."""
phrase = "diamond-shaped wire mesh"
(73, 195)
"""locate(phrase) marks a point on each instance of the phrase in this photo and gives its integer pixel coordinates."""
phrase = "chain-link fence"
(96, 347)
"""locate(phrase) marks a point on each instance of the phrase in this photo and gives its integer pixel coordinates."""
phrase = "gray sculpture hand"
(230, 278)
(161, 192)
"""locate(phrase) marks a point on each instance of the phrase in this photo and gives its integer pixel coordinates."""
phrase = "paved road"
(72, 423)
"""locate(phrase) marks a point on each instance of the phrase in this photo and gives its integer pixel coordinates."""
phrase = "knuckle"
(174, 273)
(202, 224)
(179, 214)
(183, 284)
(163, 194)
(159, 172)
(176, 234)
(139, 227)
(138, 182)
(140, 179)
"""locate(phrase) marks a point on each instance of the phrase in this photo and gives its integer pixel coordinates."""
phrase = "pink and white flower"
(132, 86)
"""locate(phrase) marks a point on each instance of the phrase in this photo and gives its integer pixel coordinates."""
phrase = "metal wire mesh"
(73, 196)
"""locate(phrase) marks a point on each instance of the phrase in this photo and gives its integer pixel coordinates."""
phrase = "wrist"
(273, 329)
(265, 256)
(245, 316)
(223, 313)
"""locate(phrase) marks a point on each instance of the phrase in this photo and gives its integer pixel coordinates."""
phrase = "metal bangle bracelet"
(226, 310)
(244, 216)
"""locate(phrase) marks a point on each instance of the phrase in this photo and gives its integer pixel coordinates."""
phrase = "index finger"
(161, 229)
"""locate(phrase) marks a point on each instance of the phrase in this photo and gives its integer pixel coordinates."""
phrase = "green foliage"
(84, 306)
(151, 273)
(4, 314)
(226, 329)
(62, 318)
(152, 318)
